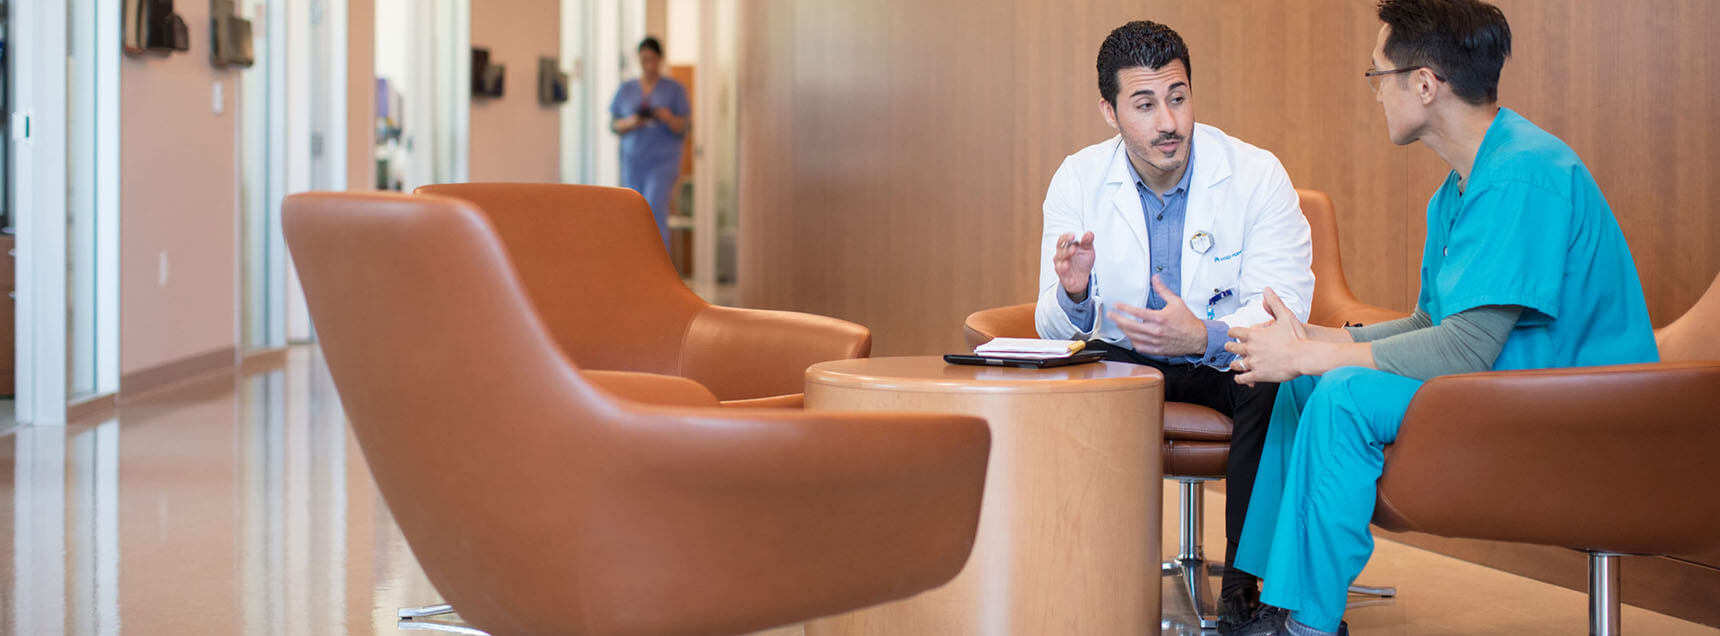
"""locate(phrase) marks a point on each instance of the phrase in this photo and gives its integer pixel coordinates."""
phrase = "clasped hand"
(1271, 351)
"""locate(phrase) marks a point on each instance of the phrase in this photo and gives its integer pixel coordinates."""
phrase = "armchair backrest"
(591, 261)
(1334, 304)
(1696, 334)
(435, 349)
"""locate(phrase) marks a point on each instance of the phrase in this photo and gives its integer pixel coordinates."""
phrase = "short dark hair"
(1464, 41)
(1136, 44)
(651, 44)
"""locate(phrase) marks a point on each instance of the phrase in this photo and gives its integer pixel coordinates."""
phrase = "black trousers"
(1249, 409)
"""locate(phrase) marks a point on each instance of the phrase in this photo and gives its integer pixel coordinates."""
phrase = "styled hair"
(1463, 41)
(1138, 44)
(651, 44)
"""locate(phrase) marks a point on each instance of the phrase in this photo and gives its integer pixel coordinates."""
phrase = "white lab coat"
(1239, 194)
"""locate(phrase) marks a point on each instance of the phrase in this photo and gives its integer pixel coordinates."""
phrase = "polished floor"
(243, 506)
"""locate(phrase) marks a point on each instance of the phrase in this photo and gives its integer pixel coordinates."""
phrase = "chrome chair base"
(426, 610)
(432, 626)
(412, 618)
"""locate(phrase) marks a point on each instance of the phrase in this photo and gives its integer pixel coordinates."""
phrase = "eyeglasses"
(1373, 76)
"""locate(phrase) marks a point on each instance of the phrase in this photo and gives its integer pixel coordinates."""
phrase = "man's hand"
(1270, 352)
(1172, 331)
(1074, 264)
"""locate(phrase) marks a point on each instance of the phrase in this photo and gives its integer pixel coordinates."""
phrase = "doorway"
(423, 102)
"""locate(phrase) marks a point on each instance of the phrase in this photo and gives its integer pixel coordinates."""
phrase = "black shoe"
(1266, 621)
(1272, 621)
(1237, 607)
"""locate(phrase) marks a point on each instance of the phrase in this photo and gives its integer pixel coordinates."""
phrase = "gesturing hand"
(1074, 263)
(1269, 352)
(1172, 331)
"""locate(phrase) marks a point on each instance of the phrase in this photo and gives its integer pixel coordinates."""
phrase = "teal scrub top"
(1531, 229)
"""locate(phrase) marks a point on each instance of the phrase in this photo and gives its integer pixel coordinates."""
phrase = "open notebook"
(1030, 348)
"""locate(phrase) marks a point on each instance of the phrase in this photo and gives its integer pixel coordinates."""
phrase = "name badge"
(1201, 242)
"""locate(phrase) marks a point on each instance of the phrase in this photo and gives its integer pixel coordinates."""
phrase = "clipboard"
(1082, 357)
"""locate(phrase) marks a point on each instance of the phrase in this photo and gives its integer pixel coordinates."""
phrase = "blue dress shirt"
(1164, 217)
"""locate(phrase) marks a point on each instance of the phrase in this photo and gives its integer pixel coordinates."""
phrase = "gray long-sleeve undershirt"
(1465, 342)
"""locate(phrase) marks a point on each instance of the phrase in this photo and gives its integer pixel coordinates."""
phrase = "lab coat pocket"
(1222, 273)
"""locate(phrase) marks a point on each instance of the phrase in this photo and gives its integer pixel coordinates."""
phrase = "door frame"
(38, 43)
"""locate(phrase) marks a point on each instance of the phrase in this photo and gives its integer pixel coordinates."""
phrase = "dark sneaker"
(1272, 621)
(1237, 607)
(1266, 621)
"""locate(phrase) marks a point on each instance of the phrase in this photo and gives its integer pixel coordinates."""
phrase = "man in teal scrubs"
(1525, 267)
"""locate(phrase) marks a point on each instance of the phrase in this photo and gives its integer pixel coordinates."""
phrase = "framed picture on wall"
(487, 78)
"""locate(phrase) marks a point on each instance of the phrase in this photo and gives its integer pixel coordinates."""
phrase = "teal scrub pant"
(1307, 530)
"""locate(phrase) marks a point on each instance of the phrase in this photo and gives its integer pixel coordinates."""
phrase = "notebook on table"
(1033, 353)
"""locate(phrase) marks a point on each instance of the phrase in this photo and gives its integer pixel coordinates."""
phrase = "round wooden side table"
(1069, 529)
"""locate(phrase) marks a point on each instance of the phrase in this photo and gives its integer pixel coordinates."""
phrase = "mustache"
(1167, 137)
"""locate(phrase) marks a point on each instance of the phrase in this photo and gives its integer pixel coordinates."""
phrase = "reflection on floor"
(243, 507)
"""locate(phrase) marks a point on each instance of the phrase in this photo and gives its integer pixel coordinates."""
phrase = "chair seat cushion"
(790, 401)
(1188, 422)
(1195, 459)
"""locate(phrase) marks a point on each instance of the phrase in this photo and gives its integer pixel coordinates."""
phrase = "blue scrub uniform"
(651, 155)
(1532, 230)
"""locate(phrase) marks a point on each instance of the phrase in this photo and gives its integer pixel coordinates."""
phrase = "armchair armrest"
(1013, 321)
(1338, 309)
(873, 506)
(651, 388)
(753, 353)
(1588, 458)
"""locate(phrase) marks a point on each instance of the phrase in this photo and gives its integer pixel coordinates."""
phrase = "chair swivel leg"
(1604, 601)
(1189, 564)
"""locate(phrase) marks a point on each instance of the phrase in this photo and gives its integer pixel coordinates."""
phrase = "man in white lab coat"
(1159, 240)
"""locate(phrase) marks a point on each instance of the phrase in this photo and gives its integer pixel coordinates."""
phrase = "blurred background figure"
(652, 115)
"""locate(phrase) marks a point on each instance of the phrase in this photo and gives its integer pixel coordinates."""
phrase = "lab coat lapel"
(1125, 200)
(1207, 198)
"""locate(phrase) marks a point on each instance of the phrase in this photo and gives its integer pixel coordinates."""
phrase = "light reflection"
(93, 476)
(236, 506)
(39, 531)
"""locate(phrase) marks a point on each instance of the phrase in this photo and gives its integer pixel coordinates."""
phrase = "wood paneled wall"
(895, 154)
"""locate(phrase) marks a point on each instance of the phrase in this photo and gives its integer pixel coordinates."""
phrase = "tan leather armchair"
(537, 502)
(593, 264)
(1197, 439)
(1580, 458)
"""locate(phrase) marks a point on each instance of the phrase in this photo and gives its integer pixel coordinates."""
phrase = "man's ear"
(1426, 86)
(1109, 112)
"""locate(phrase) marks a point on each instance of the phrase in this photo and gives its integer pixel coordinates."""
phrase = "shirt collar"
(1182, 184)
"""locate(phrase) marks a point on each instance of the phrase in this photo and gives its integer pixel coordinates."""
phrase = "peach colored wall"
(178, 195)
(513, 138)
(361, 95)
(179, 185)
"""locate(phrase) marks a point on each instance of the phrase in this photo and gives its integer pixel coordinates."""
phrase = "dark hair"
(1464, 41)
(1138, 43)
(650, 43)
